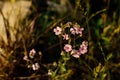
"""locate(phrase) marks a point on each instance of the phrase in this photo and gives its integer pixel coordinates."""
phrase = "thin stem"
(88, 27)
(106, 61)
(76, 8)
(60, 42)
(98, 12)
(102, 51)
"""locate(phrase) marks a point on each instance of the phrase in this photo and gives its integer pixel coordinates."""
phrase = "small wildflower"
(25, 58)
(57, 30)
(75, 53)
(83, 47)
(67, 47)
(68, 24)
(85, 43)
(49, 72)
(35, 66)
(72, 31)
(65, 36)
(80, 31)
(76, 30)
(32, 53)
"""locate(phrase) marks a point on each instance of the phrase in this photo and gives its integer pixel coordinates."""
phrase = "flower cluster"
(35, 66)
(31, 54)
(30, 57)
(76, 53)
(72, 29)
(82, 50)
(76, 30)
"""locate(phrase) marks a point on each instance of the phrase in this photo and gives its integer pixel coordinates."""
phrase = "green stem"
(76, 8)
(106, 61)
(60, 42)
(98, 12)
(88, 27)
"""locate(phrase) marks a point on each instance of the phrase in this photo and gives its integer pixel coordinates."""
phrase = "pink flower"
(83, 47)
(68, 24)
(85, 43)
(82, 50)
(32, 53)
(49, 72)
(67, 47)
(57, 30)
(25, 58)
(65, 36)
(35, 66)
(72, 31)
(75, 53)
(80, 31)
(76, 30)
